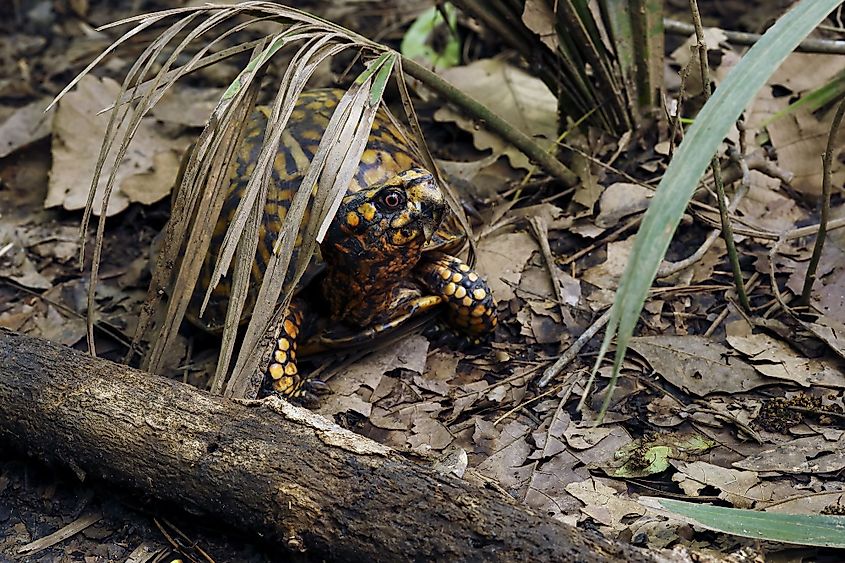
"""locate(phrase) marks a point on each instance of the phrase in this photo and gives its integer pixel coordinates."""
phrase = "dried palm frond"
(205, 174)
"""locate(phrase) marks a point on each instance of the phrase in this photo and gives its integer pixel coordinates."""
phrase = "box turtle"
(383, 259)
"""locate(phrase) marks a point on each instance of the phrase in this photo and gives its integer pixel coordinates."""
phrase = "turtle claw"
(442, 334)
(318, 388)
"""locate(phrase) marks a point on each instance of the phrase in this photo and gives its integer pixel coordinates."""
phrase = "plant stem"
(727, 230)
(823, 46)
(492, 121)
(827, 161)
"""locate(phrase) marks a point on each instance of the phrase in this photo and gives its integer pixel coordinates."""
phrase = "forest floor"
(713, 405)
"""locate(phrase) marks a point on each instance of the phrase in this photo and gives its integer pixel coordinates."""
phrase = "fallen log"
(266, 467)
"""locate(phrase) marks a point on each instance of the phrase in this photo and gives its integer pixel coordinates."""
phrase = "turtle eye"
(393, 199)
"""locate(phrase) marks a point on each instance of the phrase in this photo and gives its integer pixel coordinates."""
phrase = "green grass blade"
(815, 100)
(691, 160)
(819, 530)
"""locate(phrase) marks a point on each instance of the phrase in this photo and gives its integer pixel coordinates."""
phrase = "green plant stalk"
(492, 121)
(571, 20)
(649, 45)
(727, 230)
(827, 161)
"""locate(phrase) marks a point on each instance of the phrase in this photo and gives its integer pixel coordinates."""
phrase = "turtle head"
(403, 211)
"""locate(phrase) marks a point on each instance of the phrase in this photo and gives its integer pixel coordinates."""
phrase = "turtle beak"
(429, 203)
(431, 213)
(428, 230)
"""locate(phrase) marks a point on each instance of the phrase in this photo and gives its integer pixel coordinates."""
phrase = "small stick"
(827, 160)
(823, 46)
(573, 350)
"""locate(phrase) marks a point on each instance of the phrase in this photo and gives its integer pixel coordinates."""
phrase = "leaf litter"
(712, 405)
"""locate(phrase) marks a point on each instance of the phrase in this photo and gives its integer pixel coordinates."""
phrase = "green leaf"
(691, 160)
(803, 529)
(417, 42)
(642, 458)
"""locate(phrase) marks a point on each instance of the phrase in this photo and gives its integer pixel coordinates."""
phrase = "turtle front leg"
(471, 307)
(282, 374)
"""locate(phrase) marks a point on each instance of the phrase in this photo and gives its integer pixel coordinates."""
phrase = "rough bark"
(269, 468)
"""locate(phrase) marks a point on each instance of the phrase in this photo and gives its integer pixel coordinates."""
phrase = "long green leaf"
(803, 529)
(691, 160)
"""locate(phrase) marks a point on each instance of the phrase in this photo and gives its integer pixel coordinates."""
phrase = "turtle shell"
(388, 152)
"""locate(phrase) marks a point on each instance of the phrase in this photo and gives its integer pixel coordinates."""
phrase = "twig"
(698, 407)
(816, 412)
(827, 160)
(99, 324)
(541, 232)
(492, 121)
(824, 46)
(669, 268)
(529, 401)
(631, 223)
(553, 370)
(791, 234)
(727, 231)
(773, 279)
(61, 534)
(753, 281)
(675, 128)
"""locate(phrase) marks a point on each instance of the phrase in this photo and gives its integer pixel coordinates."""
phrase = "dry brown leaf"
(429, 434)
(507, 449)
(517, 97)
(557, 466)
(829, 290)
(809, 504)
(735, 485)
(454, 461)
(659, 533)
(547, 488)
(185, 105)
(138, 187)
(774, 358)
(15, 264)
(813, 454)
(604, 503)
(77, 135)
(24, 126)
(585, 436)
(800, 138)
(697, 364)
(767, 208)
(368, 372)
(601, 454)
(619, 200)
(538, 17)
(501, 259)
(56, 327)
(830, 332)
(687, 54)
(606, 275)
